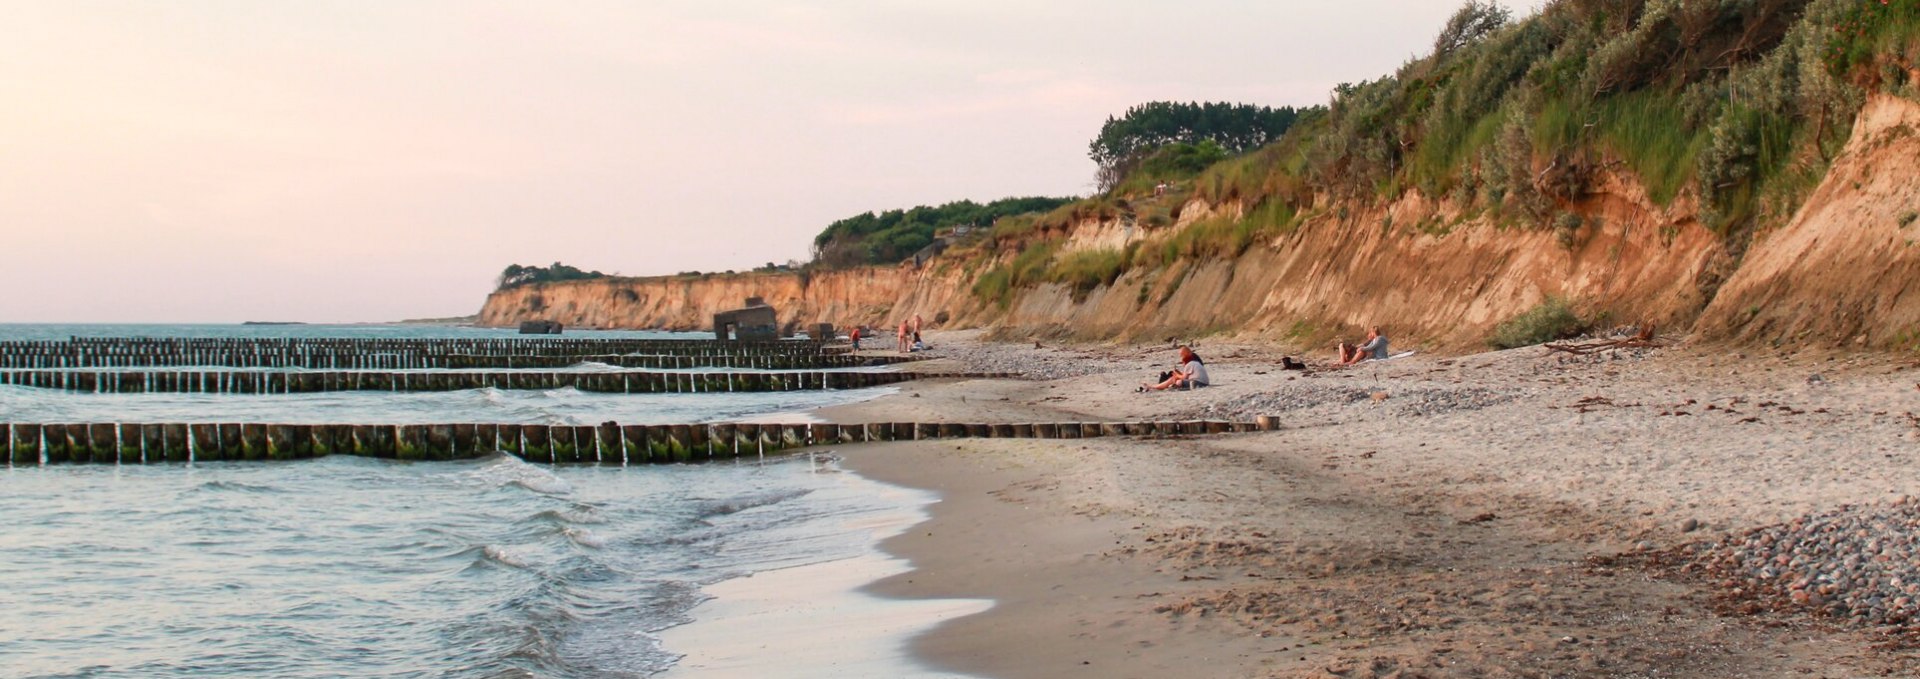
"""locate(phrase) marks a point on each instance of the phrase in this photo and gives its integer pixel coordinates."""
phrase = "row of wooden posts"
(395, 354)
(615, 382)
(130, 443)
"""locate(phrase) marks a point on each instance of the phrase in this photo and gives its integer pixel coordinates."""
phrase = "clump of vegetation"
(1164, 139)
(1551, 320)
(1027, 268)
(1085, 270)
(1908, 218)
(894, 235)
(516, 275)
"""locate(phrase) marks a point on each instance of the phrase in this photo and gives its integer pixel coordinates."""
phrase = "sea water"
(344, 566)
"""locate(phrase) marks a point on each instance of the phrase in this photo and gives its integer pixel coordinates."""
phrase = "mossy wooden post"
(301, 441)
(486, 439)
(331, 439)
(105, 444)
(659, 444)
(1046, 430)
(746, 439)
(79, 444)
(1000, 431)
(537, 447)
(721, 439)
(1091, 430)
(253, 442)
(510, 438)
(173, 440)
(1067, 430)
(54, 438)
(793, 436)
(410, 442)
(154, 438)
(1113, 429)
(903, 431)
(770, 442)
(1216, 427)
(359, 441)
(925, 431)
(279, 442)
(1139, 428)
(820, 433)
(439, 442)
(634, 440)
(849, 433)
(229, 444)
(561, 439)
(131, 437)
(952, 430)
(1022, 430)
(609, 449)
(466, 442)
(586, 442)
(679, 436)
(26, 445)
(700, 440)
(978, 430)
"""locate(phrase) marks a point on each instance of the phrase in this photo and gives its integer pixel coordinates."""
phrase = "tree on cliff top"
(1126, 141)
(516, 275)
(894, 235)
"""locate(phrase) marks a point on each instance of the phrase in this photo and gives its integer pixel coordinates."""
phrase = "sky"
(352, 161)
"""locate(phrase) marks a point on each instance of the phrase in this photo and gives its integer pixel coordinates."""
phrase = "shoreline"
(1492, 514)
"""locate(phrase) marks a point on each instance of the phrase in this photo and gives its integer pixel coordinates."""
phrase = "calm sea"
(351, 567)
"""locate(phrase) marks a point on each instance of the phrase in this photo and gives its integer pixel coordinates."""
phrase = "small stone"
(1569, 640)
(1690, 525)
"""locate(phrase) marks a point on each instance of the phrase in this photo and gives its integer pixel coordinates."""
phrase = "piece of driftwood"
(1645, 339)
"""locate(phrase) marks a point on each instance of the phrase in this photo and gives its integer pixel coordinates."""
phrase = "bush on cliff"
(894, 235)
(1085, 270)
(516, 275)
(1551, 320)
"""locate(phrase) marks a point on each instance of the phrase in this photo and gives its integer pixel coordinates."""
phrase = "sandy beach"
(1513, 513)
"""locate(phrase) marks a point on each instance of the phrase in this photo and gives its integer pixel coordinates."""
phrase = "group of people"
(1191, 372)
(907, 340)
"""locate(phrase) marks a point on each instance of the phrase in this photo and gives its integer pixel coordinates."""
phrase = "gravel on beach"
(1394, 400)
(1859, 564)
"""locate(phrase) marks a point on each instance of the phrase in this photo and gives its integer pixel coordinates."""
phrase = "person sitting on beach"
(917, 344)
(1191, 373)
(1375, 348)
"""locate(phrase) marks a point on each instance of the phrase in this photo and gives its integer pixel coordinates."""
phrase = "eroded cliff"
(1841, 271)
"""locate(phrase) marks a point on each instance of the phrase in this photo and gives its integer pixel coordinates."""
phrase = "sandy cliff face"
(1846, 269)
(1840, 272)
(866, 295)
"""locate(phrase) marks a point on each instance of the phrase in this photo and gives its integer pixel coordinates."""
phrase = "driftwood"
(1645, 339)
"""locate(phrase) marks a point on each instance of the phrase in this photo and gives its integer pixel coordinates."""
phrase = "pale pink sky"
(196, 160)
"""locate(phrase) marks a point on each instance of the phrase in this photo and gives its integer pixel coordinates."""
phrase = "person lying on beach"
(1374, 348)
(1191, 373)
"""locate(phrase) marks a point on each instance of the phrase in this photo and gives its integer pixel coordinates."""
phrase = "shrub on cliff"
(894, 235)
(516, 275)
(1551, 320)
(1085, 270)
(1131, 142)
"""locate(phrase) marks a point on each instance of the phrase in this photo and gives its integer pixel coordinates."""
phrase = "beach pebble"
(1857, 564)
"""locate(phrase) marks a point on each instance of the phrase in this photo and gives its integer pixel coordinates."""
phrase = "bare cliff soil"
(1841, 271)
